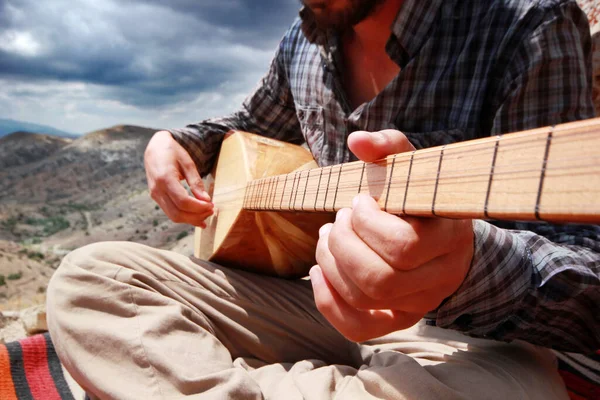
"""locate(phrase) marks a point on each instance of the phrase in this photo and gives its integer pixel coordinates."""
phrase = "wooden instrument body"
(545, 174)
(274, 243)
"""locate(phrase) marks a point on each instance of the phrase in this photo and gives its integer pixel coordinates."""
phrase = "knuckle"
(400, 249)
(182, 201)
(188, 164)
(380, 285)
(355, 299)
(177, 217)
(360, 218)
(320, 253)
(335, 242)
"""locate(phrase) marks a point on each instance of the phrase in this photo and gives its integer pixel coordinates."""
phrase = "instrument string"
(424, 163)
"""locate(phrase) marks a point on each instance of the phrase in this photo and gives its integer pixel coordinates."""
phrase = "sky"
(83, 65)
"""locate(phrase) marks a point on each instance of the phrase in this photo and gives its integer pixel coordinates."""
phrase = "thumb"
(372, 146)
(192, 177)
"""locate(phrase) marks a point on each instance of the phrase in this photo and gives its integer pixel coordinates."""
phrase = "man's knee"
(83, 271)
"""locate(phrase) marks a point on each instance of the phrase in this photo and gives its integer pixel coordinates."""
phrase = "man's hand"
(167, 163)
(378, 273)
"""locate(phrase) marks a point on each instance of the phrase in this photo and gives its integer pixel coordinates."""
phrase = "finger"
(192, 177)
(183, 201)
(178, 216)
(356, 325)
(404, 243)
(372, 146)
(373, 277)
(421, 302)
(337, 277)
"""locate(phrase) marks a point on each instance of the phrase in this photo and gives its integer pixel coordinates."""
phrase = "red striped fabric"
(30, 370)
(7, 388)
(35, 364)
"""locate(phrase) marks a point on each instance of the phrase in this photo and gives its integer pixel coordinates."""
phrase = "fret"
(543, 174)
(305, 189)
(285, 179)
(362, 174)
(271, 191)
(412, 157)
(311, 189)
(347, 183)
(462, 184)
(253, 199)
(258, 193)
(327, 188)
(263, 193)
(297, 190)
(571, 182)
(274, 193)
(333, 184)
(337, 187)
(437, 180)
(267, 193)
(422, 182)
(244, 203)
(489, 188)
(299, 185)
(292, 192)
(318, 187)
(514, 190)
(389, 183)
(265, 198)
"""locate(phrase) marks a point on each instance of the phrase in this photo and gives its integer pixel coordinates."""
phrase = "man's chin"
(342, 15)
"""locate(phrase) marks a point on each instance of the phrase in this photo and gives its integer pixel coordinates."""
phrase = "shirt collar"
(409, 30)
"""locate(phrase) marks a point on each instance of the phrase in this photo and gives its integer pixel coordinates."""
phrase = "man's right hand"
(167, 163)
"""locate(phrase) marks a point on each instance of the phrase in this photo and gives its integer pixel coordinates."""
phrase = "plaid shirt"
(468, 69)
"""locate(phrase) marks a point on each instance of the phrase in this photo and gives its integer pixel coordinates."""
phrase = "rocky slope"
(22, 148)
(77, 192)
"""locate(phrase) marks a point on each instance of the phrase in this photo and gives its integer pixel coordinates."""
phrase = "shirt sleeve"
(268, 111)
(539, 283)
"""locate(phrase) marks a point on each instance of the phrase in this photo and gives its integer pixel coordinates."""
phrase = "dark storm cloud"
(143, 53)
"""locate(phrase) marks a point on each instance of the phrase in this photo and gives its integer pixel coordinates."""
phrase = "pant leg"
(424, 363)
(133, 322)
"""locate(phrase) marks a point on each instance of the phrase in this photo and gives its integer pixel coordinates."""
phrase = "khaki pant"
(132, 322)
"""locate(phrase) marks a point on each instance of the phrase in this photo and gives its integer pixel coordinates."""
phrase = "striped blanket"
(30, 370)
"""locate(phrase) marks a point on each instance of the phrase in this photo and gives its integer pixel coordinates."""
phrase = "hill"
(8, 126)
(21, 148)
(69, 193)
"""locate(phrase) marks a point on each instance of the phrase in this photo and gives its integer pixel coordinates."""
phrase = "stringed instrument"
(272, 199)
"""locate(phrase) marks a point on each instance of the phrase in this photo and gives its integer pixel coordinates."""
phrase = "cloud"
(85, 64)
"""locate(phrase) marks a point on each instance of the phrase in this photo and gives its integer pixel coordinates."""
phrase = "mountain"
(8, 126)
(21, 148)
(60, 194)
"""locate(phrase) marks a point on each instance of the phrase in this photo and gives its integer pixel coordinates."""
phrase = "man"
(382, 76)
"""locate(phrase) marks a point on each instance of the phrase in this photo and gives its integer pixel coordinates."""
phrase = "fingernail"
(340, 213)
(315, 275)
(355, 201)
(377, 136)
(324, 229)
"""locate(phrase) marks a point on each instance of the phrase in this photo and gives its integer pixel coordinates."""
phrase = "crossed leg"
(133, 322)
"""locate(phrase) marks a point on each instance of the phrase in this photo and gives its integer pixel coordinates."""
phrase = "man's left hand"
(378, 273)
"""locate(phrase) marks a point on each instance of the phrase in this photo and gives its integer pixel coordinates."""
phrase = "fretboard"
(548, 173)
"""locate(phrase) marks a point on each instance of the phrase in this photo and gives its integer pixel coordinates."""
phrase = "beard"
(340, 15)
